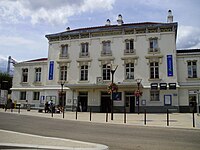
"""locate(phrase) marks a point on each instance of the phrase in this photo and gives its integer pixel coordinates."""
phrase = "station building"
(140, 58)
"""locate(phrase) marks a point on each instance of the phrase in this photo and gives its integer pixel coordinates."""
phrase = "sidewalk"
(176, 120)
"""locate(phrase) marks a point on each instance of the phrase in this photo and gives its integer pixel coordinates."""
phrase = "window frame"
(154, 95)
(128, 44)
(154, 70)
(38, 74)
(153, 45)
(192, 69)
(84, 73)
(106, 47)
(36, 95)
(84, 49)
(64, 50)
(63, 73)
(23, 95)
(128, 71)
(25, 75)
(106, 72)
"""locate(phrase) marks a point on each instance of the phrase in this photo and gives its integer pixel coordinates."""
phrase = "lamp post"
(62, 84)
(113, 69)
(138, 94)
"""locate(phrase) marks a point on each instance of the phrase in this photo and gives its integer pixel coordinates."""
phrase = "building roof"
(36, 60)
(113, 28)
(184, 51)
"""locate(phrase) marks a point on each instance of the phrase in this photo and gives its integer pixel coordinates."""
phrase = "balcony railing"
(84, 54)
(129, 51)
(63, 56)
(106, 53)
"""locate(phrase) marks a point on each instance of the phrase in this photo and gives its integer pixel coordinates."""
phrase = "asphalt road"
(117, 137)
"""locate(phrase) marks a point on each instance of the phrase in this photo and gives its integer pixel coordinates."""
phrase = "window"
(192, 69)
(84, 49)
(84, 73)
(154, 70)
(22, 95)
(64, 51)
(63, 73)
(37, 74)
(106, 72)
(129, 46)
(129, 71)
(36, 95)
(154, 95)
(106, 47)
(153, 43)
(25, 75)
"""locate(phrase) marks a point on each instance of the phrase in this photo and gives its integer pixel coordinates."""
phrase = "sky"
(24, 23)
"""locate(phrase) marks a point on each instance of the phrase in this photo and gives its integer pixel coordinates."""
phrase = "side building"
(81, 63)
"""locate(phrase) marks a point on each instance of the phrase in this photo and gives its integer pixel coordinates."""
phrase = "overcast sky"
(24, 23)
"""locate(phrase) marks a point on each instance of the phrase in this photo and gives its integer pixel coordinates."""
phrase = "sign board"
(169, 65)
(117, 96)
(51, 69)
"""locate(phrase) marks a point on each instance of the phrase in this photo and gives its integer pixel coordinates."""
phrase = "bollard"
(76, 113)
(145, 116)
(167, 117)
(19, 109)
(193, 118)
(124, 114)
(107, 115)
(90, 114)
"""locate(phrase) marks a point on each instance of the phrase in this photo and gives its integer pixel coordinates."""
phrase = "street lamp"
(113, 69)
(138, 94)
(62, 84)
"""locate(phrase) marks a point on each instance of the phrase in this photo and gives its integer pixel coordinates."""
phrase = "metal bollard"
(145, 116)
(107, 115)
(90, 114)
(76, 113)
(19, 109)
(167, 117)
(193, 118)
(124, 114)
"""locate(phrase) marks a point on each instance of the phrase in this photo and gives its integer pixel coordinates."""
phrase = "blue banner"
(51, 68)
(169, 65)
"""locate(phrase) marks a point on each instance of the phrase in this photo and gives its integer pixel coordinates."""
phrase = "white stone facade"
(82, 60)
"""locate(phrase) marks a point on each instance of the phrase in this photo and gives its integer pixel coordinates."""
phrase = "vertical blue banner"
(169, 65)
(51, 68)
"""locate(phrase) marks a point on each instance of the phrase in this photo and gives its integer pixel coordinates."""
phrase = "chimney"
(119, 20)
(107, 22)
(169, 17)
(68, 29)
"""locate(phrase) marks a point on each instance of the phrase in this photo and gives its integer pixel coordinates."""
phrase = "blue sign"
(169, 65)
(117, 96)
(51, 68)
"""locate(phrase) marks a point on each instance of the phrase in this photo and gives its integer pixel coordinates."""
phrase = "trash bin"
(28, 107)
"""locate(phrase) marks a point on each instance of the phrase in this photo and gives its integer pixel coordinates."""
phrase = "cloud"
(54, 12)
(13, 41)
(188, 37)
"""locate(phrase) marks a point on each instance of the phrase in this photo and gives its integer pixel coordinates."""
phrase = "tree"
(5, 82)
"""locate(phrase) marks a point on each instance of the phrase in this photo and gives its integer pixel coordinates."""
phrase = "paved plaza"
(15, 140)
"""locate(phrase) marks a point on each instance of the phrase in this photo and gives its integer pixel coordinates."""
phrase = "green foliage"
(5, 81)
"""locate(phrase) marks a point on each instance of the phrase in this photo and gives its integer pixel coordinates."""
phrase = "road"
(117, 137)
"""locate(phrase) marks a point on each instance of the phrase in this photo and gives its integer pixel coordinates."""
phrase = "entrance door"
(83, 101)
(130, 102)
(105, 102)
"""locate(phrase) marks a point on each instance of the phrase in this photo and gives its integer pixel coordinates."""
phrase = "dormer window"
(84, 50)
(153, 45)
(64, 51)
